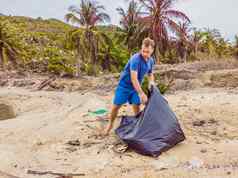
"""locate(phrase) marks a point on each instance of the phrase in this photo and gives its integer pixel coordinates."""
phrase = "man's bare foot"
(106, 131)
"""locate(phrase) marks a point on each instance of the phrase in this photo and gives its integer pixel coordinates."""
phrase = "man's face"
(146, 52)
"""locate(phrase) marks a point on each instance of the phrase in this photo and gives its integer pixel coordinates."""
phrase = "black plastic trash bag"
(155, 130)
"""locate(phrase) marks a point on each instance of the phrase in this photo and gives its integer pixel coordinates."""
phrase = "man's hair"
(148, 42)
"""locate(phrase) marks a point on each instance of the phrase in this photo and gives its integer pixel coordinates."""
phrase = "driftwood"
(46, 82)
(62, 175)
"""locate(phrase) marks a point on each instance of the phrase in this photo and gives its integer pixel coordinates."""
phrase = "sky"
(219, 14)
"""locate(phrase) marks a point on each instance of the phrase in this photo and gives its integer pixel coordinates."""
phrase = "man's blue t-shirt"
(139, 64)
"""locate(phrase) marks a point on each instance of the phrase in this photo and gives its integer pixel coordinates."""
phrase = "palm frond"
(103, 17)
(148, 4)
(70, 17)
(177, 14)
(74, 9)
(89, 13)
(121, 11)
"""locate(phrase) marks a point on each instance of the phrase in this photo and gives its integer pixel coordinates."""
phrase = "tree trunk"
(106, 61)
(92, 49)
(12, 58)
(95, 49)
(78, 66)
(129, 51)
(78, 59)
(94, 57)
(129, 48)
(185, 54)
(156, 53)
(185, 57)
(1, 58)
(196, 49)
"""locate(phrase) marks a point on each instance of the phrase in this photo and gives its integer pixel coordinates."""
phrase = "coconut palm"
(236, 45)
(133, 29)
(210, 40)
(223, 48)
(183, 43)
(87, 16)
(236, 41)
(196, 38)
(161, 18)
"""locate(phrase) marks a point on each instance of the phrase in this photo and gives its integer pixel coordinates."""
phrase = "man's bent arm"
(135, 82)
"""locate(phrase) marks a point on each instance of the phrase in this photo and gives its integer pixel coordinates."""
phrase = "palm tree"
(161, 18)
(196, 39)
(236, 45)
(74, 41)
(223, 48)
(236, 41)
(183, 43)
(108, 52)
(209, 44)
(132, 28)
(9, 50)
(87, 16)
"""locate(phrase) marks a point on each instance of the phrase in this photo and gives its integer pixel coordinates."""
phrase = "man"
(129, 86)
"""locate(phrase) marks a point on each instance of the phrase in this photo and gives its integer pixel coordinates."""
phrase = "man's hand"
(143, 98)
(151, 83)
(137, 87)
(151, 80)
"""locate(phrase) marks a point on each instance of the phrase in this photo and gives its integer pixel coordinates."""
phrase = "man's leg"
(120, 98)
(136, 109)
(112, 117)
(134, 100)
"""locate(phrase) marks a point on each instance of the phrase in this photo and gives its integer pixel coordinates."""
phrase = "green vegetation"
(39, 44)
(162, 86)
(93, 47)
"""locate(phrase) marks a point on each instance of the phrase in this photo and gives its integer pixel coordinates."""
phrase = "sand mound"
(6, 111)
